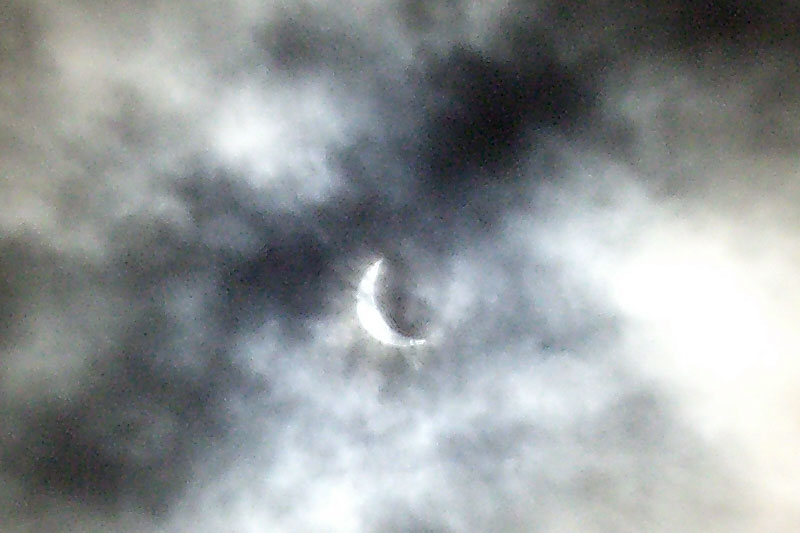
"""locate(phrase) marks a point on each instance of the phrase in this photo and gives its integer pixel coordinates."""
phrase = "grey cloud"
(150, 392)
(193, 191)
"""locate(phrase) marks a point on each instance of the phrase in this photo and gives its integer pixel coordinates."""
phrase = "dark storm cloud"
(730, 27)
(486, 108)
(151, 401)
(310, 40)
(173, 272)
(739, 23)
(16, 252)
(20, 33)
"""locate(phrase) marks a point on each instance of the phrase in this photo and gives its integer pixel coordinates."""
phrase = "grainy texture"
(590, 209)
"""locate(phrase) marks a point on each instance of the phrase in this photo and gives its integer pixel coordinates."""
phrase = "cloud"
(588, 209)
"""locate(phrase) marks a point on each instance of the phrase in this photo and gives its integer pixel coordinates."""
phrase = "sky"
(588, 209)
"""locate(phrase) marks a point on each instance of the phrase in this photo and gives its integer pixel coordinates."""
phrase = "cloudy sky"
(590, 209)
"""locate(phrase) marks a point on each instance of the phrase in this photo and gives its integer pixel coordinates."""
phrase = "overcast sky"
(590, 209)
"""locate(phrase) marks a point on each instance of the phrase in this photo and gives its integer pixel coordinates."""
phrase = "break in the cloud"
(589, 210)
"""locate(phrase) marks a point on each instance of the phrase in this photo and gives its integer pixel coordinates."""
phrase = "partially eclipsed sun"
(370, 315)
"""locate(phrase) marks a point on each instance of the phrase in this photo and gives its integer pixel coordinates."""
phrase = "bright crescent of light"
(370, 316)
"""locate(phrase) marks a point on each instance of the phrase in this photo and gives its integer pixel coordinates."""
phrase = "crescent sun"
(370, 315)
